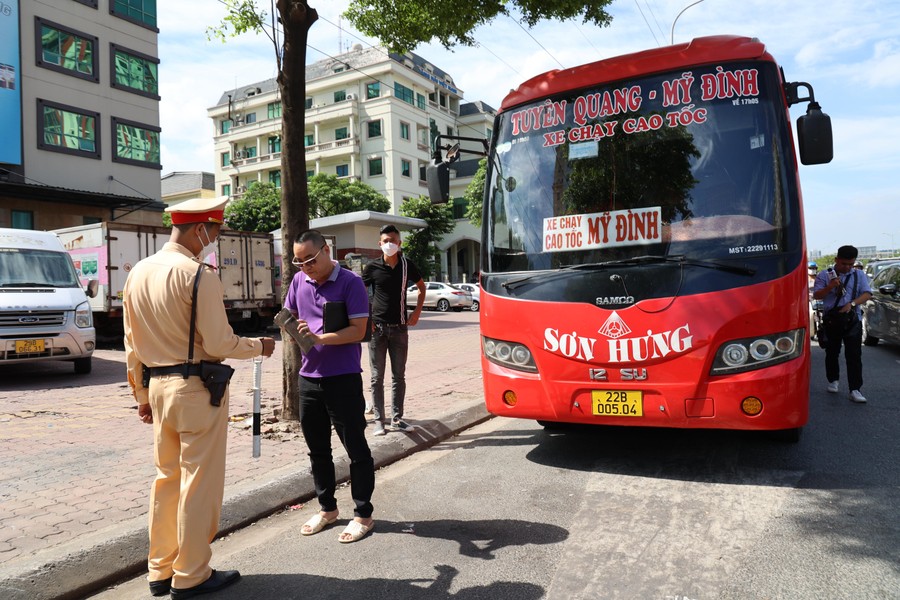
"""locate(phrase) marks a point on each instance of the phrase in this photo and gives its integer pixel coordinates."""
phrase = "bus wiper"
(634, 260)
(658, 258)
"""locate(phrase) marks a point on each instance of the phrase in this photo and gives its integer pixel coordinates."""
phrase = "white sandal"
(356, 531)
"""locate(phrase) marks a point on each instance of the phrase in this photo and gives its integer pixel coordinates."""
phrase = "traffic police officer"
(189, 433)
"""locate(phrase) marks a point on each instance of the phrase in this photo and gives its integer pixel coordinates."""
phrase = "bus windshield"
(697, 165)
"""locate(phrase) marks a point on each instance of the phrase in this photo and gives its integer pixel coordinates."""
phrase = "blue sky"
(848, 51)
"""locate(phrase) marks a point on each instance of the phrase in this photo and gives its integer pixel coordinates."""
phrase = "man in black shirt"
(388, 277)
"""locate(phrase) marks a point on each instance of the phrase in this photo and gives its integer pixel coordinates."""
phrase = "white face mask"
(208, 247)
(389, 248)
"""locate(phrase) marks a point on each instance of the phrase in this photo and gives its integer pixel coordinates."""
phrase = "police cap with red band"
(199, 210)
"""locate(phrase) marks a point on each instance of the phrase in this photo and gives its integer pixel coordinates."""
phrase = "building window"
(404, 130)
(374, 128)
(449, 130)
(274, 144)
(90, 220)
(420, 101)
(22, 219)
(226, 159)
(375, 167)
(273, 110)
(308, 103)
(340, 96)
(403, 93)
(250, 118)
(340, 133)
(422, 173)
(310, 174)
(342, 170)
(136, 143)
(226, 126)
(92, 4)
(66, 50)
(338, 70)
(373, 90)
(226, 189)
(459, 208)
(275, 178)
(405, 168)
(309, 140)
(249, 151)
(67, 129)
(489, 133)
(134, 72)
(142, 12)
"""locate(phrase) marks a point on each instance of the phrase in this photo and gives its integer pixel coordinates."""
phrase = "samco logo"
(621, 349)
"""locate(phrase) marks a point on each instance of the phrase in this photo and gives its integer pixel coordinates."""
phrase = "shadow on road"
(59, 374)
(301, 586)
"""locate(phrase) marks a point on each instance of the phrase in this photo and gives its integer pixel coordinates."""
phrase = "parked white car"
(475, 291)
(440, 296)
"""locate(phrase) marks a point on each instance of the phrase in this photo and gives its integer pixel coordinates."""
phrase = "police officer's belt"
(190, 370)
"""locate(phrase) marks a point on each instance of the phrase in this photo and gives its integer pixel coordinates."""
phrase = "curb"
(124, 555)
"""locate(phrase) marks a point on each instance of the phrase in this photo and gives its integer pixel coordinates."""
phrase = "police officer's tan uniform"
(189, 433)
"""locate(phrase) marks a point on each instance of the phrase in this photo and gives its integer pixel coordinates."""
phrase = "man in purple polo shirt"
(331, 391)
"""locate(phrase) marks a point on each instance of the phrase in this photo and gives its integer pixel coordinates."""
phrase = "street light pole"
(893, 248)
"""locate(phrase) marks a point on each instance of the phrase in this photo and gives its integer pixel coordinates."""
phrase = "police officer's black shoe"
(216, 581)
(161, 587)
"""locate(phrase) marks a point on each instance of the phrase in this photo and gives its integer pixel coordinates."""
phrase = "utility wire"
(653, 33)
(655, 20)
(584, 35)
(536, 42)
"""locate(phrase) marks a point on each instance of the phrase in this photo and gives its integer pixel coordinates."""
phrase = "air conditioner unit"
(351, 96)
(237, 119)
(239, 154)
(241, 189)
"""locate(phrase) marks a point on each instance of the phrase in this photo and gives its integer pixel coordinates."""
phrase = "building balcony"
(332, 148)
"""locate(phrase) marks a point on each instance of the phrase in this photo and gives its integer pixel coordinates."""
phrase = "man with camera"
(176, 334)
(842, 290)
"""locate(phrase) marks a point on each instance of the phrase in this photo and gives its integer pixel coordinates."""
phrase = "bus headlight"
(508, 354)
(83, 317)
(748, 354)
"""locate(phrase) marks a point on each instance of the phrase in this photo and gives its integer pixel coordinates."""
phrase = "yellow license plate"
(617, 403)
(29, 346)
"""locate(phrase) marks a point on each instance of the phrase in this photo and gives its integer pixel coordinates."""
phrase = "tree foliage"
(258, 209)
(474, 194)
(403, 24)
(419, 246)
(329, 195)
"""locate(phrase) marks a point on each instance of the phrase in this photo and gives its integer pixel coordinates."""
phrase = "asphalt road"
(509, 510)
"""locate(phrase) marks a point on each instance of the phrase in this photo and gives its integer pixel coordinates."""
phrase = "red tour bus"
(643, 257)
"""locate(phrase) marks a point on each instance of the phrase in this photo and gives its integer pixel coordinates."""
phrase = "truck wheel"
(83, 365)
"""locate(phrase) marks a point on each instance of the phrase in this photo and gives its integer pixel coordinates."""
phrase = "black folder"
(335, 317)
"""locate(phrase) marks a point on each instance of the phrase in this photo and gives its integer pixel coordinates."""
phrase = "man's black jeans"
(851, 338)
(337, 400)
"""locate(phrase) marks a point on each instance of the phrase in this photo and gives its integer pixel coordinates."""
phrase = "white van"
(44, 312)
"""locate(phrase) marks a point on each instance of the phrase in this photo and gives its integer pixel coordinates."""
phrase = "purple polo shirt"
(306, 299)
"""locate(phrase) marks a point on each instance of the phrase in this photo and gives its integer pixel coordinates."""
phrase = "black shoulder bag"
(215, 375)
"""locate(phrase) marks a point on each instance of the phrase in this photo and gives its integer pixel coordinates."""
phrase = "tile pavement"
(76, 463)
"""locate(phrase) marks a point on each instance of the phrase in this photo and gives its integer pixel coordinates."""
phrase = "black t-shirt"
(388, 291)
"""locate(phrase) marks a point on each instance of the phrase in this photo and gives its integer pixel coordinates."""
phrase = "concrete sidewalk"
(76, 462)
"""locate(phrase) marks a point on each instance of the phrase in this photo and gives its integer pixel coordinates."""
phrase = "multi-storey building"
(79, 113)
(371, 116)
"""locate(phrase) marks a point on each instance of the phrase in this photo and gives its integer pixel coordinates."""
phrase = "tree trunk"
(296, 17)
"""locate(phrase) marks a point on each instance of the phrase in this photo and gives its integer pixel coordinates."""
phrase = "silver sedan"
(440, 296)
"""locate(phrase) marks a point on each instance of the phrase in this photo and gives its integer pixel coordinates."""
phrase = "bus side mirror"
(437, 174)
(814, 136)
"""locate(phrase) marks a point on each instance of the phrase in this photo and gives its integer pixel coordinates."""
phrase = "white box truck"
(44, 311)
(107, 251)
